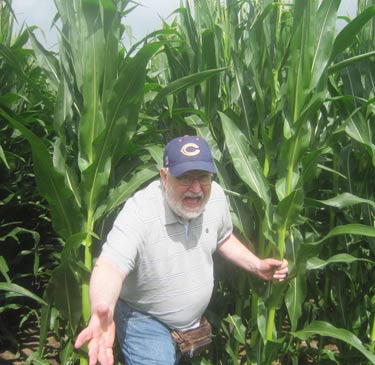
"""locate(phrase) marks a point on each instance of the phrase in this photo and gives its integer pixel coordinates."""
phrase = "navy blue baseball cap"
(188, 153)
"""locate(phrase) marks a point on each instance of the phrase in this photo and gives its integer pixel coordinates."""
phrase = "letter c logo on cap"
(190, 149)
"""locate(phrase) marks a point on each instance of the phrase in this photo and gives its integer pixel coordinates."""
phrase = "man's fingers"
(83, 337)
(93, 352)
(281, 271)
(105, 356)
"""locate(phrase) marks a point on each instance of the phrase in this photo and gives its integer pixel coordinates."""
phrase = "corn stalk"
(99, 94)
(265, 118)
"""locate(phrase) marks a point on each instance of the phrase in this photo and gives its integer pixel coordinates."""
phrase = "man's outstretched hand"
(100, 335)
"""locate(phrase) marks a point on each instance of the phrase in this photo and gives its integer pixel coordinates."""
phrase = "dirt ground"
(28, 340)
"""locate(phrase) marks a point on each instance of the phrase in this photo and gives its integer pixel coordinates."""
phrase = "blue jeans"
(143, 339)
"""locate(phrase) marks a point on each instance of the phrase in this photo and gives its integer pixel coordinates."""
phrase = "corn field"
(286, 101)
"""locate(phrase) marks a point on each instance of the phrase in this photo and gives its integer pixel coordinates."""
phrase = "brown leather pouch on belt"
(193, 342)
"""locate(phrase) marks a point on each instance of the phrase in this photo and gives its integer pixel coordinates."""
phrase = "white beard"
(177, 206)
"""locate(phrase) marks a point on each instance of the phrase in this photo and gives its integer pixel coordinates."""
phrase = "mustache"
(190, 194)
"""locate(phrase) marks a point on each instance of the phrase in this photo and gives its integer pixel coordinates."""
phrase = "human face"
(188, 193)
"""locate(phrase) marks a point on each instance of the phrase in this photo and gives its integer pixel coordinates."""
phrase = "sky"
(143, 20)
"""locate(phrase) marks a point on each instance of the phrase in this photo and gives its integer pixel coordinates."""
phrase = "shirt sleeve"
(226, 227)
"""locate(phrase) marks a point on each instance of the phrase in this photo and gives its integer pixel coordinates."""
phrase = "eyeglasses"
(187, 180)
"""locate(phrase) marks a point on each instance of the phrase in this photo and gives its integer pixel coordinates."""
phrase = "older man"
(155, 272)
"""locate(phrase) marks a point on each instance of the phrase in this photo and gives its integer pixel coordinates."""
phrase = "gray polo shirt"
(167, 262)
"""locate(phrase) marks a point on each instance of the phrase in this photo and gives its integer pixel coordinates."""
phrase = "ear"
(163, 176)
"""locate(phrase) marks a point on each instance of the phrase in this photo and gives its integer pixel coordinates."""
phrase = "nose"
(195, 186)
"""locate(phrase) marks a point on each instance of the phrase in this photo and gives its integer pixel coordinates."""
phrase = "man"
(155, 272)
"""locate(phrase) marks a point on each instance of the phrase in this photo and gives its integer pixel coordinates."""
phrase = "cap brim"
(192, 165)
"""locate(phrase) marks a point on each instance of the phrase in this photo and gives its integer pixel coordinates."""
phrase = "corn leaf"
(66, 294)
(46, 61)
(352, 229)
(239, 330)
(359, 129)
(308, 250)
(120, 124)
(4, 269)
(120, 194)
(349, 33)
(325, 29)
(326, 329)
(313, 36)
(295, 295)
(345, 200)
(288, 209)
(184, 82)
(20, 291)
(51, 184)
(3, 158)
(315, 263)
(245, 162)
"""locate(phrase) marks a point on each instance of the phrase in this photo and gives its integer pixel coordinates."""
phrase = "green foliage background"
(286, 104)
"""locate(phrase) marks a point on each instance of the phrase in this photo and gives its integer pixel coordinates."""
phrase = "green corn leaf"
(350, 61)
(46, 61)
(120, 194)
(121, 117)
(309, 250)
(296, 295)
(11, 60)
(92, 122)
(345, 200)
(262, 314)
(239, 330)
(70, 173)
(313, 36)
(245, 162)
(325, 28)
(4, 269)
(67, 352)
(211, 86)
(20, 291)
(272, 350)
(315, 263)
(288, 210)
(349, 33)
(325, 329)
(15, 232)
(66, 216)
(184, 82)
(105, 4)
(66, 293)
(156, 153)
(126, 96)
(360, 130)
(3, 158)
(231, 352)
(300, 58)
(44, 323)
(352, 229)
(200, 123)
(35, 359)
